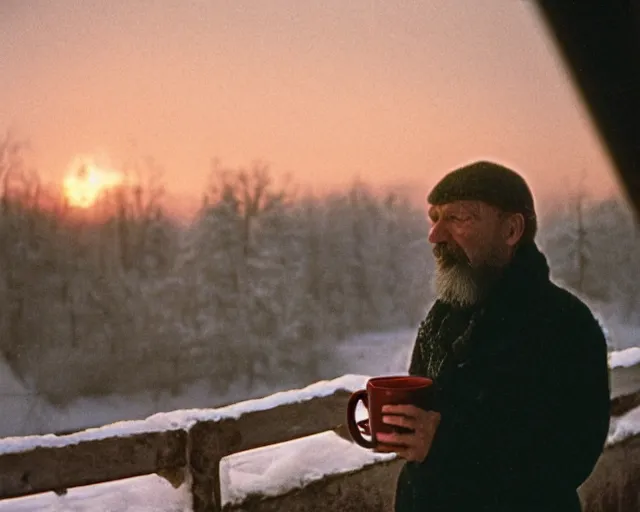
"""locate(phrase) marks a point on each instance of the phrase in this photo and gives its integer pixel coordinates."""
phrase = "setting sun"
(86, 182)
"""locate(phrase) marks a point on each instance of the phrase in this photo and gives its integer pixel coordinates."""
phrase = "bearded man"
(520, 408)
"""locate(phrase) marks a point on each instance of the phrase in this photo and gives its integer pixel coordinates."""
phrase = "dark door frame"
(599, 41)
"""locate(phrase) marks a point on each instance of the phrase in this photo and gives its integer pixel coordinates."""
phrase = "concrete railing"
(187, 446)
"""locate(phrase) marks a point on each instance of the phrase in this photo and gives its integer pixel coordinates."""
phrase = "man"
(520, 409)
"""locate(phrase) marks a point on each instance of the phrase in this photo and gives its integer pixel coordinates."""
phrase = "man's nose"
(437, 233)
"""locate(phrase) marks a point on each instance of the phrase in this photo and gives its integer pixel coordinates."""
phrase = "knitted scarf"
(445, 336)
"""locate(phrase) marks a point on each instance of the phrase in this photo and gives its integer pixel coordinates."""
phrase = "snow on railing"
(183, 445)
(185, 419)
(624, 358)
(188, 445)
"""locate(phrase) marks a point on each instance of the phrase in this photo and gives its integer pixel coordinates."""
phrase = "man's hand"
(415, 445)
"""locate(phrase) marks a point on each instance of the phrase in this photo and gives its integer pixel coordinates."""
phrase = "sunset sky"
(395, 93)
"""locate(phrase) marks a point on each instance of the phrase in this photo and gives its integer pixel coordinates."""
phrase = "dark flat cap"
(491, 183)
(485, 181)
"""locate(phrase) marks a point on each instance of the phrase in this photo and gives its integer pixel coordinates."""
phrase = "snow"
(271, 470)
(185, 419)
(149, 493)
(266, 470)
(625, 426)
(16, 402)
(278, 469)
(380, 353)
(377, 353)
(625, 358)
(31, 414)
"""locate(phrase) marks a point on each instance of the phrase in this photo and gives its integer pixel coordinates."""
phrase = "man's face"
(468, 229)
(469, 247)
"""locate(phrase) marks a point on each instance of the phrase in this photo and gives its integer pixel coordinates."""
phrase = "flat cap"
(491, 183)
(488, 182)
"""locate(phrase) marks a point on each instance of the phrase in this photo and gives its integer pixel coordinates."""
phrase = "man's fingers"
(394, 439)
(405, 409)
(415, 444)
(400, 421)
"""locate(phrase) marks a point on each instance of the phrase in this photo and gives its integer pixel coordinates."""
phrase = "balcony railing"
(189, 445)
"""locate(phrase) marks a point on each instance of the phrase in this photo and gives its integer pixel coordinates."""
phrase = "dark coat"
(522, 384)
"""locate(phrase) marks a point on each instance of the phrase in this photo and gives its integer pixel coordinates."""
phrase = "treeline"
(256, 289)
(594, 249)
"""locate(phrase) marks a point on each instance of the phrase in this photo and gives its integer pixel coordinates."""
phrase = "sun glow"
(86, 182)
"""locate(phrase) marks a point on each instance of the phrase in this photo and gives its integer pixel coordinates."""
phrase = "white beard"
(456, 285)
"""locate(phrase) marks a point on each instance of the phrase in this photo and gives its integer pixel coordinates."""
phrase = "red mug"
(394, 390)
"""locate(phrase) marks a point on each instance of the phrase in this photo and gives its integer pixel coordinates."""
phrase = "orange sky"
(392, 92)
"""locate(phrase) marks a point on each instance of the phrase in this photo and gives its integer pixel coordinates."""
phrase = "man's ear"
(514, 228)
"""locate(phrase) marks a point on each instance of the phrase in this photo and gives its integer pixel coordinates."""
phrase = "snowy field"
(26, 414)
(272, 470)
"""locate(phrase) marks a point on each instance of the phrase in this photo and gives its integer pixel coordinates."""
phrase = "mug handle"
(351, 419)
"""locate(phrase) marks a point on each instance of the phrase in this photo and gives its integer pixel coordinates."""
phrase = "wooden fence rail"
(90, 462)
(195, 449)
(184, 444)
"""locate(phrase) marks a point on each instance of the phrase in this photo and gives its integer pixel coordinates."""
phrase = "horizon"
(184, 208)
